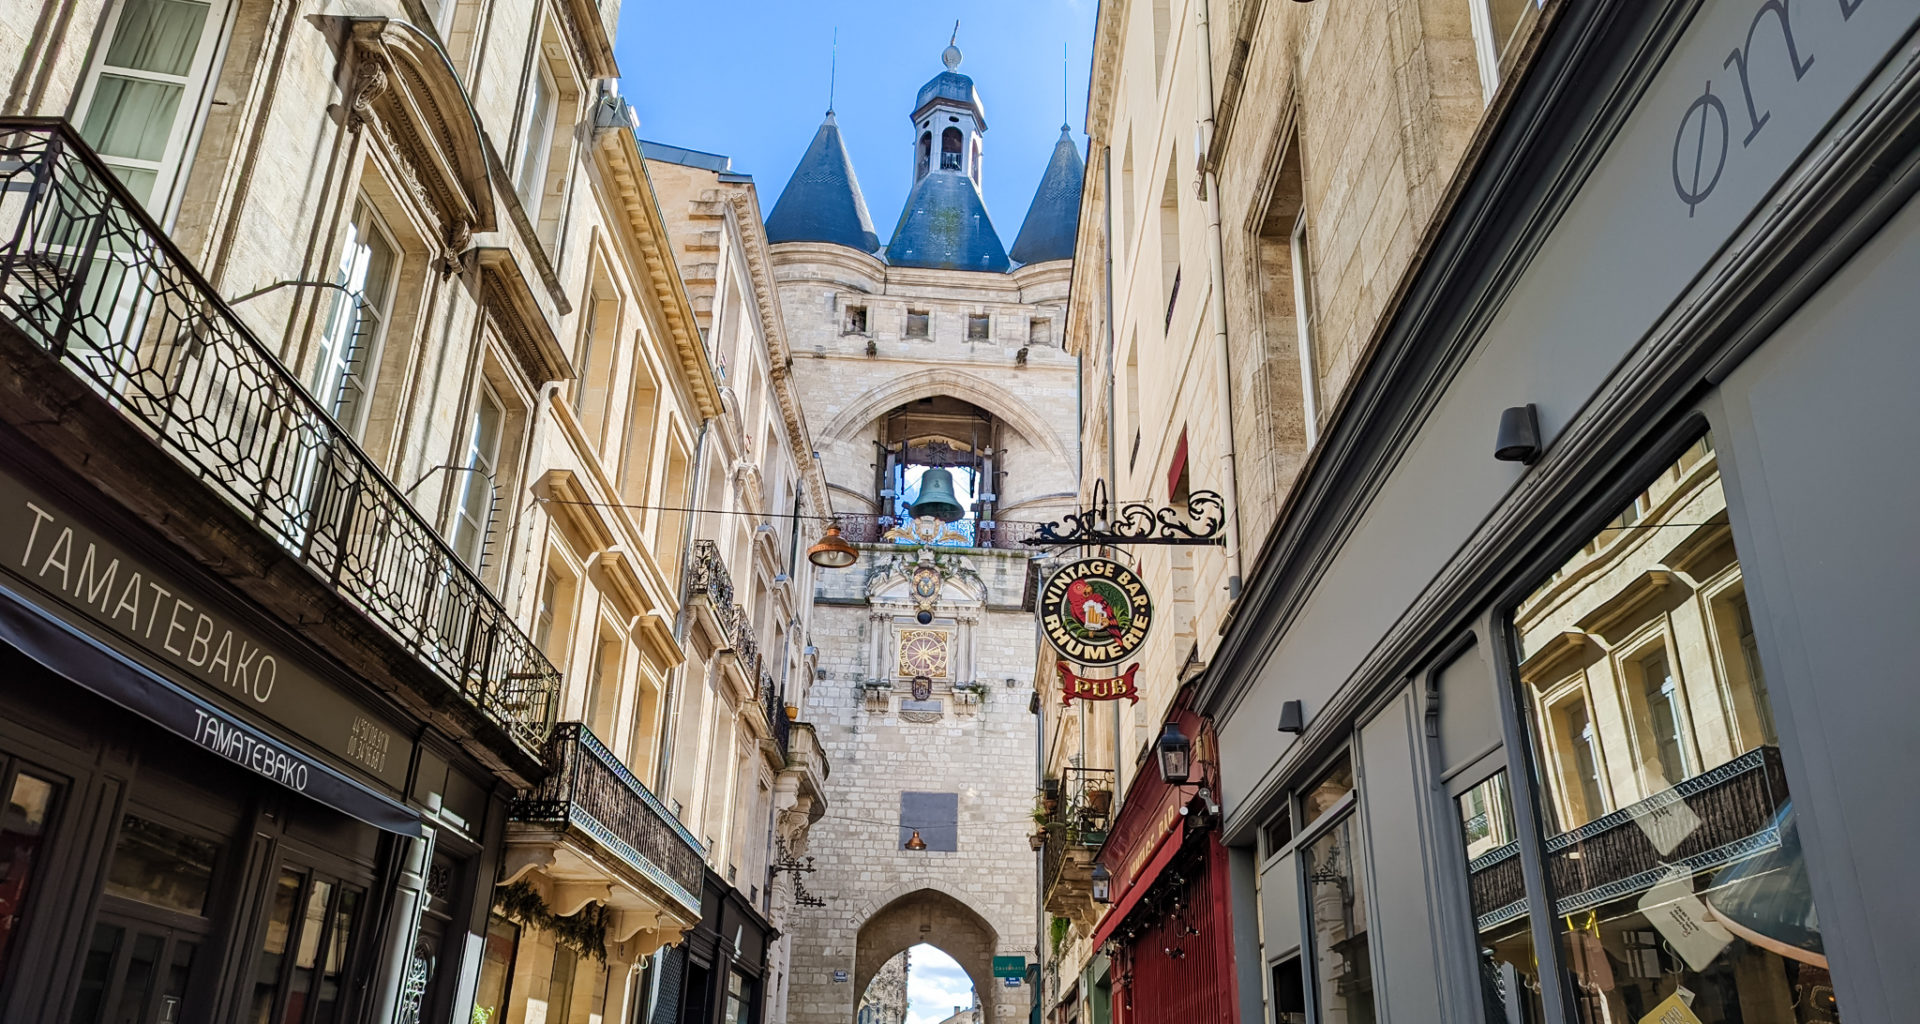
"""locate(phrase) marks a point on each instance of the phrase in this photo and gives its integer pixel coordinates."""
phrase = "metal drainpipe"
(1113, 465)
(1217, 260)
(676, 692)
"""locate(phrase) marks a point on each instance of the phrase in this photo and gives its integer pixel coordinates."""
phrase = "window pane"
(23, 831)
(307, 956)
(273, 947)
(1337, 899)
(131, 117)
(136, 989)
(1509, 985)
(161, 866)
(1336, 782)
(1676, 864)
(96, 973)
(157, 36)
(339, 939)
(496, 970)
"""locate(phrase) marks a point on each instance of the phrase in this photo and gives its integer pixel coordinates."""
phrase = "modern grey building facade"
(1618, 731)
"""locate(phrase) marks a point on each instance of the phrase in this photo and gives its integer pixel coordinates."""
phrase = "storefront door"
(138, 966)
(313, 920)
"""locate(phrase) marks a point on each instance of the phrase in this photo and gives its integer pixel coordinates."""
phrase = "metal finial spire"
(951, 55)
(1066, 89)
(833, 68)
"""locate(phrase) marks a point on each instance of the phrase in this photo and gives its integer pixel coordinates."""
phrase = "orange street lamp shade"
(832, 552)
(914, 842)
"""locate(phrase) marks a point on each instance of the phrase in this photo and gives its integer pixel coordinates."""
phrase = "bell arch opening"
(933, 918)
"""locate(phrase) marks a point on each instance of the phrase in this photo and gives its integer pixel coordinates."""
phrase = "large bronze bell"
(936, 497)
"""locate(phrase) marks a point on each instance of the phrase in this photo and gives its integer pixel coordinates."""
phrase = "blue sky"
(935, 985)
(749, 79)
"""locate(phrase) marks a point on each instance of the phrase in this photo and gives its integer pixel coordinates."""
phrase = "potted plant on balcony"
(793, 713)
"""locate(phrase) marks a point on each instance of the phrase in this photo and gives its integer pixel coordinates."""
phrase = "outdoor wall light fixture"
(1519, 437)
(1176, 755)
(832, 552)
(1293, 717)
(914, 842)
(1102, 884)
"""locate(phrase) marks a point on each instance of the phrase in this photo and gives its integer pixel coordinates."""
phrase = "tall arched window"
(926, 155)
(950, 149)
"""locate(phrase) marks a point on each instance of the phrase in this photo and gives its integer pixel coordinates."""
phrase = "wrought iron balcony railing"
(88, 276)
(1736, 806)
(708, 577)
(867, 528)
(745, 644)
(776, 713)
(588, 789)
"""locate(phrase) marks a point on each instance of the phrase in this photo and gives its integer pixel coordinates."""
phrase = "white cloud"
(935, 985)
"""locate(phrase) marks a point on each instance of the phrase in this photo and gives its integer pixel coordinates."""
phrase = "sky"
(749, 79)
(935, 985)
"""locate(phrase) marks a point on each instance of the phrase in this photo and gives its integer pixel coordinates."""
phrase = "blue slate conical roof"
(1053, 219)
(945, 227)
(822, 201)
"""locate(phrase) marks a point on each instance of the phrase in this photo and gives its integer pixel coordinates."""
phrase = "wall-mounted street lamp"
(1176, 755)
(1102, 884)
(914, 842)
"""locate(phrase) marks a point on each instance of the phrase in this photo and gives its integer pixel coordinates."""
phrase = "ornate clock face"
(923, 652)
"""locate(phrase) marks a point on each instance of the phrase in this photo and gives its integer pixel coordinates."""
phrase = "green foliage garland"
(585, 932)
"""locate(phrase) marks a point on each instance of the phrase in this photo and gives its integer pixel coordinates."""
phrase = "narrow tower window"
(950, 149)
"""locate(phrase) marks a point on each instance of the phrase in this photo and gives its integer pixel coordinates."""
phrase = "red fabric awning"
(1170, 844)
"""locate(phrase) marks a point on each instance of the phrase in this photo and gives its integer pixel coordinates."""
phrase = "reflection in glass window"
(23, 830)
(1333, 784)
(1690, 878)
(1337, 900)
(1509, 975)
(161, 866)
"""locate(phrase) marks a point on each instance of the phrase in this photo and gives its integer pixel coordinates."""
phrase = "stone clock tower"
(938, 350)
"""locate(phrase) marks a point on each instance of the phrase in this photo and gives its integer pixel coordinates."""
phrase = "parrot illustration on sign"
(1091, 603)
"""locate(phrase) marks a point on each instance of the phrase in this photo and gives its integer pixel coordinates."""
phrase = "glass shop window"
(31, 800)
(1289, 992)
(1329, 789)
(1337, 901)
(1508, 972)
(1671, 845)
(300, 970)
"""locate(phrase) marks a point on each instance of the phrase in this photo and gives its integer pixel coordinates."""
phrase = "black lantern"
(1102, 884)
(1176, 755)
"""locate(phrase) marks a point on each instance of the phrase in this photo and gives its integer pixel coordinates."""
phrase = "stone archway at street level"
(936, 918)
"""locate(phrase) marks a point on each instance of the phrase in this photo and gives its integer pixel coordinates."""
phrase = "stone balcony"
(1079, 811)
(592, 833)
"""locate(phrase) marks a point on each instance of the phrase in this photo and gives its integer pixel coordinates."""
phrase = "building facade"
(933, 357)
(355, 406)
(748, 773)
(1260, 177)
(1553, 687)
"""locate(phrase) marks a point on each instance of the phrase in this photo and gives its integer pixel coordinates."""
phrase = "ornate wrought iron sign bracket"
(1134, 522)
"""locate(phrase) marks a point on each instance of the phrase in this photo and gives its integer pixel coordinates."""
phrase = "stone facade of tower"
(911, 357)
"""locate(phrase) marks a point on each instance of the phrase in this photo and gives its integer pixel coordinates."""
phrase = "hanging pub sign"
(1078, 687)
(1095, 612)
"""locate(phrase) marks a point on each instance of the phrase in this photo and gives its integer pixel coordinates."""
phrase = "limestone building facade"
(1260, 177)
(370, 325)
(934, 355)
